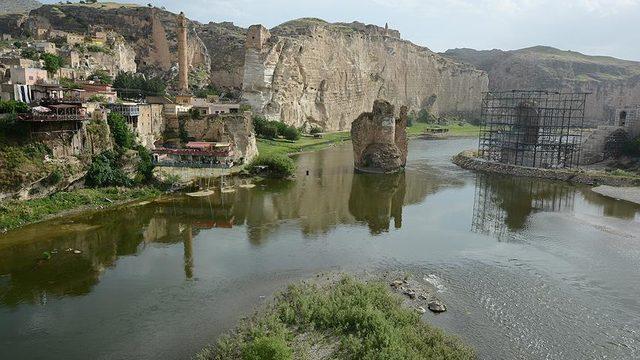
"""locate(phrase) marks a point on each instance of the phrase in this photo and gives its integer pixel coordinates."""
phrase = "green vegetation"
(67, 83)
(122, 135)
(130, 85)
(305, 143)
(31, 54)
(14, 214)
(278, 166)
(272, 129)
(208, 90)
(102, 76)
(98, 98)
(351, 319)
(52, 63)
(97, 49)
(105, 171)
(13, 107)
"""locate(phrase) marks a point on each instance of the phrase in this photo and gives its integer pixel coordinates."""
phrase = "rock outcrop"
(18, 6)
(380, 139)
(612, 83)
(311, 73)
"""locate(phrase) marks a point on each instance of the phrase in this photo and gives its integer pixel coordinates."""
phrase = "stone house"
(46, 47)
(28, 76)
(628, 117)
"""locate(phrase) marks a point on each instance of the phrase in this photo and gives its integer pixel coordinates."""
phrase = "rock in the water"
(380, 139)
(421, 310)
(437, 307)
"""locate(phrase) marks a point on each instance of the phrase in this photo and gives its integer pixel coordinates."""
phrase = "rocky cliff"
(311, 73)
(613, 83)
(18, 6)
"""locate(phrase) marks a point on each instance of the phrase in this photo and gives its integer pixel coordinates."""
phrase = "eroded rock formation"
(380, 139)
(311, 73)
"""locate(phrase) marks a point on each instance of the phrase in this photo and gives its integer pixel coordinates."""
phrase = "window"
(623, 118)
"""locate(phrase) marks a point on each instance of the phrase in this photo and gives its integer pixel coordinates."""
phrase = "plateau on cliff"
(310, 73)
(380, 139)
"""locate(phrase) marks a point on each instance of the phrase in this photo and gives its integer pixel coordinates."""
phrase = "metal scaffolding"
(540, 129)
(503, 205)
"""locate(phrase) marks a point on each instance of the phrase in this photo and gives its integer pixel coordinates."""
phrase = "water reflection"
(330, 196)
(502, 205)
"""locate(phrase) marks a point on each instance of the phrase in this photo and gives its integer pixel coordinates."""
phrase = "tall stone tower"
(183, 63)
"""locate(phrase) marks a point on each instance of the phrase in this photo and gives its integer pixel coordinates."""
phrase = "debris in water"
(77, 252)
(437, 307)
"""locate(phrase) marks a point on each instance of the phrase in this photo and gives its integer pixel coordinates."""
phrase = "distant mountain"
(612, 82)
(18, 6)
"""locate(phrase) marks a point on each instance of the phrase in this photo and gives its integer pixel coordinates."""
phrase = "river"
(529, 269)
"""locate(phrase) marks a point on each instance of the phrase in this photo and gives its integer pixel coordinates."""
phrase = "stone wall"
(151, 124)
(326, 75)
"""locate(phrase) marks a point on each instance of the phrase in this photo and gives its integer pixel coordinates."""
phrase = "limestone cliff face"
(613, 83)
(310, 73)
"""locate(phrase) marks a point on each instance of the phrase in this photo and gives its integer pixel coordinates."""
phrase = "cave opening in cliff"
(540, 129)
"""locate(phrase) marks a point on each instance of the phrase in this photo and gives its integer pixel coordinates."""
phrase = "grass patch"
(285, 147)
(363, 320)
(14, 214)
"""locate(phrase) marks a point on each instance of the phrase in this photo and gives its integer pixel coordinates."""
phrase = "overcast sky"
(595, 27)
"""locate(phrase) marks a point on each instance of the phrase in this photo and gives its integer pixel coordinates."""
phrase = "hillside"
(18, 6)
(612, 82)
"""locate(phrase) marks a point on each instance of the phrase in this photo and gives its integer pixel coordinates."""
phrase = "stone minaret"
(183, 67)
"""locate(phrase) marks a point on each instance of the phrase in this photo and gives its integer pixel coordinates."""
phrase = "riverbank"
(308, 143)
(469, 160)
(335, 316)
(15, 214)
(630, 194)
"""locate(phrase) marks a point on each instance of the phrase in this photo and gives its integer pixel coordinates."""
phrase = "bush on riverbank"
(14, 214)
(272, 129)
(275, 166)
(349, 320)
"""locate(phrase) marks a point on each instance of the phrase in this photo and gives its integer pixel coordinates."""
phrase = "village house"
(209, 108)
(46, 47)
(28, 76)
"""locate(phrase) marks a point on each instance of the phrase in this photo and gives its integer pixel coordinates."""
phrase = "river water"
(529, 269)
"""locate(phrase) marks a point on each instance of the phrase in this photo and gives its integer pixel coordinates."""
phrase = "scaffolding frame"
(533, 128)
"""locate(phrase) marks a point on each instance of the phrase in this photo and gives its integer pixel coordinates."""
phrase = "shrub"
(315, 130)
(290, 133)
(267, 348)
(105, 172)
(121, 133)
(52, 63)
(277, 166)
(98, 98)
(31, 54)
(69, 84)
(13, 107)
(425, 117)
(259, 123)
(145, 166)
(10, 128)
(270, 131)
(102, 76)
(55, 177)
(130, 85)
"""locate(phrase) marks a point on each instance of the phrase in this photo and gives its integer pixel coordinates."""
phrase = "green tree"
(52, 63)
(13, 107)
(102, 76)
(130, 85)
(277, 166)
(291, 133)
(121, 133)
(30, 54)
(104, 171)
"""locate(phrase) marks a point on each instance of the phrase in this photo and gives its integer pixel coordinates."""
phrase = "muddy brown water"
(529, 269)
